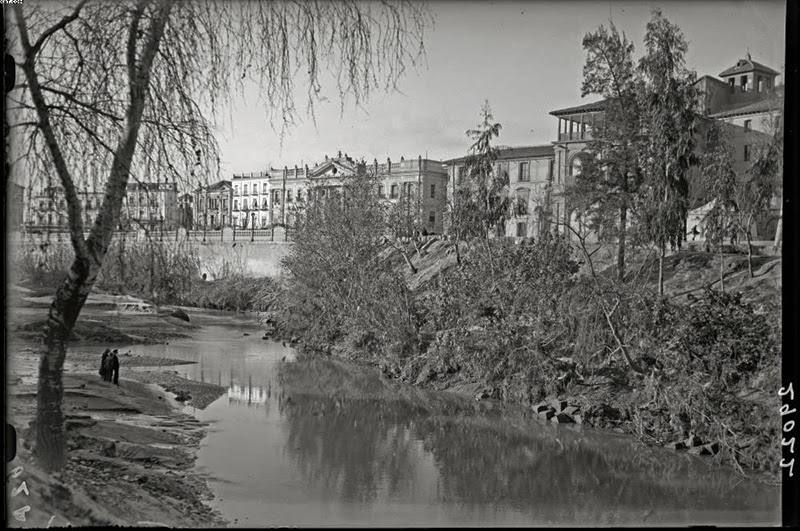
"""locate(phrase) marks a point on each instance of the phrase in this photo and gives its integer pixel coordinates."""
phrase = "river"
(324, 443)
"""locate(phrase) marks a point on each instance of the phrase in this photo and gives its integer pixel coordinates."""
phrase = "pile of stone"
(559, 412)
(695, 446)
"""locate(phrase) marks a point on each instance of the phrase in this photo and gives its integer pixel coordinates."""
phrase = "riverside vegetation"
(523, 322)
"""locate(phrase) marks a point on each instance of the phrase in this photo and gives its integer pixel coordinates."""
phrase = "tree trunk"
(623, 222)
(50, 448)
(749, 252)
(721, 270)
(661, 270)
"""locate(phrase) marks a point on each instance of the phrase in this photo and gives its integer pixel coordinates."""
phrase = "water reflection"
(363, 441)
(323, 443)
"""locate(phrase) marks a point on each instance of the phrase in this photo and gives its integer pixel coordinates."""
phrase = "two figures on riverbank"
(109, 366)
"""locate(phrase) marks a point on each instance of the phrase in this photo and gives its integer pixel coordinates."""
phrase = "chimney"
(388, 165)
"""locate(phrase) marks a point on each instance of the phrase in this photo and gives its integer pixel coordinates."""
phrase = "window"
(521, 203)
(236, 190)
(264, 204)
(732, 82)
(245, 189)
(236, 205)
(393, 193)
(432, 217)
(264, 188)
(522, 229)
(743, 82)
(748, 125)
(380, 191)
(299, 194)
(433, 191)
(524, 171)
(289, 196)
(746, 152)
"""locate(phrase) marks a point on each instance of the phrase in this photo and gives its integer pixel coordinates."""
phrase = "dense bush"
(159, 270)
(235, 293)
(714, 363)
(340, 286)
(499, 316)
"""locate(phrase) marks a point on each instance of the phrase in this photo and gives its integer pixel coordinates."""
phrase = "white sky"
(524, 57)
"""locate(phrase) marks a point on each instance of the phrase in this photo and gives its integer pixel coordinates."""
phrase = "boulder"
(547, 414)
(705, 449)
(677, 445)
(693, 440)
(180, 314)
(561, 418)
(539, 408)
(571, 410)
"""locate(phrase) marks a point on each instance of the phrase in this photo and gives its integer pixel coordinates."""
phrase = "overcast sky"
(524, 57)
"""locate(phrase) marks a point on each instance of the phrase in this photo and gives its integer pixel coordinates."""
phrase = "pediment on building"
(329, 169)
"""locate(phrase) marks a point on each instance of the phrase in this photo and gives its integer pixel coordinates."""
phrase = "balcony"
(575, 136)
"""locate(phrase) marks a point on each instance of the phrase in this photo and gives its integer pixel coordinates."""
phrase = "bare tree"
(131, 88)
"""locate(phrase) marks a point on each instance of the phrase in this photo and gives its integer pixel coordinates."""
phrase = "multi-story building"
(47, 209)
(746, 100)
(186, 211)
(212, 206)
(264, 199)
(529, 170)
(250, 200)
(150, 206)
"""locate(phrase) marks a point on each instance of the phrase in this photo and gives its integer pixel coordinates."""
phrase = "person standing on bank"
(104, 364)
(114, 367)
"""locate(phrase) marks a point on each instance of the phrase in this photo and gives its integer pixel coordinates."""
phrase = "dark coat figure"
(104, 364)
(114, 367)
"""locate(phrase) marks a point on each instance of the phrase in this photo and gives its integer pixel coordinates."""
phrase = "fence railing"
(61, 234)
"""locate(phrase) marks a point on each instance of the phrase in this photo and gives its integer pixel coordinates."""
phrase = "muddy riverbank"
(131, 447)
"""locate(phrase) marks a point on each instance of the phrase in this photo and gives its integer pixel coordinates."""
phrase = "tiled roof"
(587, 107)
(521, 152)
(765, 105)
(748, 65)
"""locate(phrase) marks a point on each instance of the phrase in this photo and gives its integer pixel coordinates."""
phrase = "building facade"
(150, 206)
(47, 208)
(529, 171)
(268, 198)
(212, 206)
(746, 101)
(186, 211)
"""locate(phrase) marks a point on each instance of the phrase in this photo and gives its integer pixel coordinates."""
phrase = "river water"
(324, 443)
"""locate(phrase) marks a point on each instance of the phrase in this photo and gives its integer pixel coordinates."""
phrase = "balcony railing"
(575, 136)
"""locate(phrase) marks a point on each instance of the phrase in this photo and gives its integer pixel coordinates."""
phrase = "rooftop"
(586, 107)
(751, 107)
(748, 65)
(519, 152)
